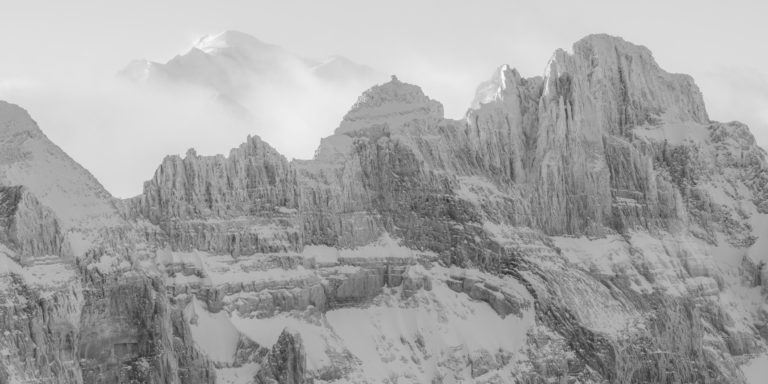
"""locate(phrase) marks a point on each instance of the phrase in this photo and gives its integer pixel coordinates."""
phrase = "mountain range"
(591, 225)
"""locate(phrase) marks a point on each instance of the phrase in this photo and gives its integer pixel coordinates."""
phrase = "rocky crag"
(592, 225)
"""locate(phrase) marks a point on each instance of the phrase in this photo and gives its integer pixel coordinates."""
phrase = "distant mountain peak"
(231, 62)
(237, 70)
(503, 77)
(393, 91)
(230, 40)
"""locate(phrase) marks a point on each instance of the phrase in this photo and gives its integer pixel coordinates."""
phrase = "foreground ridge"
(591, 225)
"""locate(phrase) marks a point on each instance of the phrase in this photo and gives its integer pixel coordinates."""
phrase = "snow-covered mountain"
(235, 65)
(591, 225)
(70, 205)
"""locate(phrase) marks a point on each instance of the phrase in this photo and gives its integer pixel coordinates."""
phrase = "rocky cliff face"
(588, 226)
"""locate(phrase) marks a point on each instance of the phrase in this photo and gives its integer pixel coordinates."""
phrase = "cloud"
(120, 132)
(294, 113)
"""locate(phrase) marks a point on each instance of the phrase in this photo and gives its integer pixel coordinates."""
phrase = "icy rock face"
(587, 226)
(188, 196)
(197, 187)
(626, 78)
(562, 137)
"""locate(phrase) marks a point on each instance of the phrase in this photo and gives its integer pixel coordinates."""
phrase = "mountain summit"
(591, 225)
(31, 160)
(389, 103)
(232, 40)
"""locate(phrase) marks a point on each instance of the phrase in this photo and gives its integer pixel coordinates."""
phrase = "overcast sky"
(59, 58)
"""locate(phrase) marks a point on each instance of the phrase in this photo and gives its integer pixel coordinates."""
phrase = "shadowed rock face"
(27, 226)
(287, 361)
(596, 209)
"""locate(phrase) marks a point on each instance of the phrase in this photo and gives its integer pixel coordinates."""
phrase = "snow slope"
(28, 158)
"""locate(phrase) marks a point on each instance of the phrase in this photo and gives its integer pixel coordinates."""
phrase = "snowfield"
(391, 338)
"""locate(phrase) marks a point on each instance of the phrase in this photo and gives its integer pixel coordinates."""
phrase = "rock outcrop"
(286, 362)
(28, 227)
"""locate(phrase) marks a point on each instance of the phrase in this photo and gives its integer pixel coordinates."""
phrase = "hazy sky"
(60, 57)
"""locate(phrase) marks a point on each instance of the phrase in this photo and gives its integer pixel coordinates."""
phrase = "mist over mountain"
(237, 67)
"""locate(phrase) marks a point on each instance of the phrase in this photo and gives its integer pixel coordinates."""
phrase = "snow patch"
(46, 272)
(384, 248)
(599, 255)
(759, 250)
(110, 263)
(239, 375)
(213, 332)
(675, 133)
(415, 338)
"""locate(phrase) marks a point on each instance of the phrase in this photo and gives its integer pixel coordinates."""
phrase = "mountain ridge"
(590, 224)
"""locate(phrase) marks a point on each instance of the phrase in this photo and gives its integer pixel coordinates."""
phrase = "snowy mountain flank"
(591, 225)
